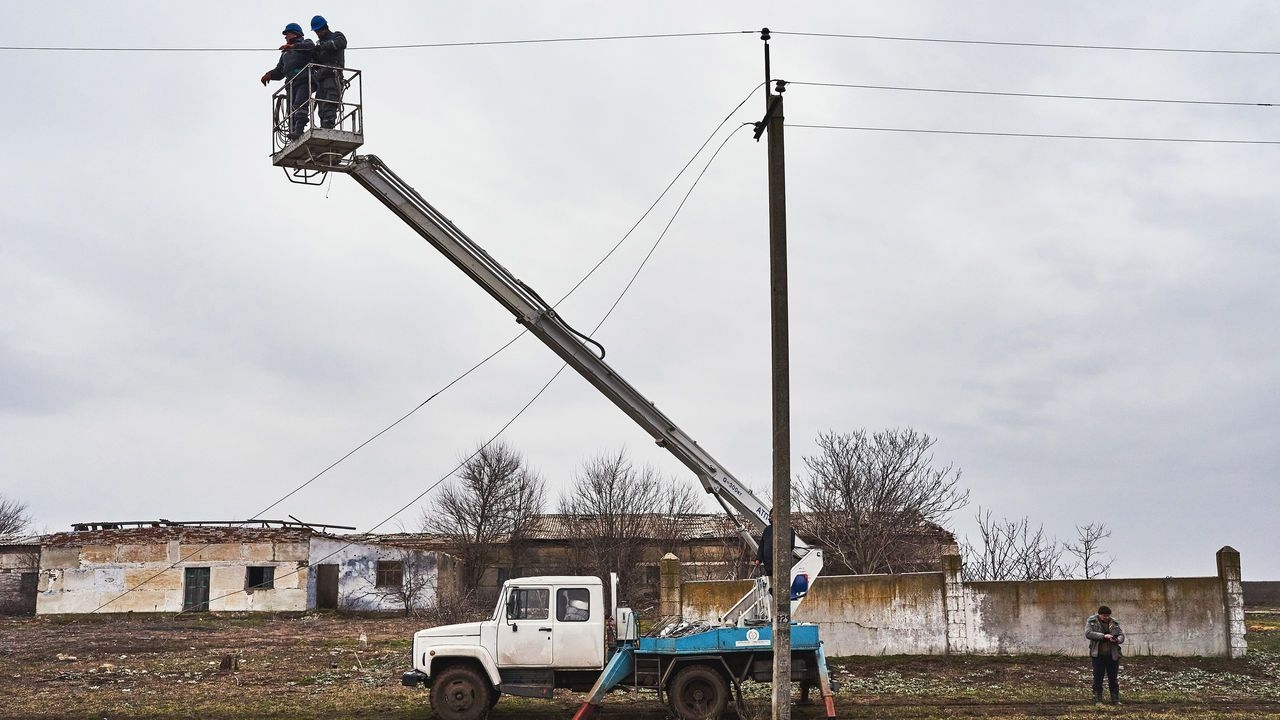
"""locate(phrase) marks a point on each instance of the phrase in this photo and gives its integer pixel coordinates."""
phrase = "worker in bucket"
(295, 55)
(328, 60)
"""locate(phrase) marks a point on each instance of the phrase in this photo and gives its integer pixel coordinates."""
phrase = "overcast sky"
(1088, 327)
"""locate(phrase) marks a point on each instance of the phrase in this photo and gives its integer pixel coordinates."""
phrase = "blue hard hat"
(292, 27)
(318, 22)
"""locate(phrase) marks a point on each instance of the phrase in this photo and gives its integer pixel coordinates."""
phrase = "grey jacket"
(1093, 630)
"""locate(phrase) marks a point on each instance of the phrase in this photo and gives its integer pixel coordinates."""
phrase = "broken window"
(260, 578)
(390, 573)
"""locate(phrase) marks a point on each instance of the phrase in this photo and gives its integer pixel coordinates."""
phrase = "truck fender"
(475, 652)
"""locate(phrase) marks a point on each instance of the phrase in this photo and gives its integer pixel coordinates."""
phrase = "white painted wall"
(357, 567)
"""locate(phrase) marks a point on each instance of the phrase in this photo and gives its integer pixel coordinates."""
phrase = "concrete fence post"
(1232, 600)
(669, 578)
(954, 601)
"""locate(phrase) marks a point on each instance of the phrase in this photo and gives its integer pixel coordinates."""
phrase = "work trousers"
(299, 105)
(328, 96)
(1105, 665)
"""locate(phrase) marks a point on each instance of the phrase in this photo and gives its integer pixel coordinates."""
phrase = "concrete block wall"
(938, 613)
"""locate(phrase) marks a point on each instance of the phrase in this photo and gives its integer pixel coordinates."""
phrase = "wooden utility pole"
(783, 553)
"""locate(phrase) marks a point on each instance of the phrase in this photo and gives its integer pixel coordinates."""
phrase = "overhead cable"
(1031, 95)
(489, 357)
(1035, 135)
(536, 395)
(594, 38)
(475, 43)
(1009, 43)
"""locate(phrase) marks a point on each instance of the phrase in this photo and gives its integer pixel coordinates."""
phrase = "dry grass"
(314, 666)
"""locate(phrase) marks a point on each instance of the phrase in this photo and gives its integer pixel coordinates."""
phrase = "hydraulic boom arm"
(749, 513)
(542, 320)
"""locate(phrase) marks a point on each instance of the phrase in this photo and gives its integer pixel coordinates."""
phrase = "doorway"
(195, 594)
(327, 586)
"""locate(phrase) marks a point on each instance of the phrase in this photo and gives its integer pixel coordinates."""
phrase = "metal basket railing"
(339, 109)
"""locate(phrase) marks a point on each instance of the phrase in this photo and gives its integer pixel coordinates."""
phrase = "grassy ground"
(316, 666)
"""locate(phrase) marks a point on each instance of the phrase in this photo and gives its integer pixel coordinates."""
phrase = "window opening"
(390, 573)
(260, 578)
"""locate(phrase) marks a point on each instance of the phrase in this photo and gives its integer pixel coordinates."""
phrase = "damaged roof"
(187, 534)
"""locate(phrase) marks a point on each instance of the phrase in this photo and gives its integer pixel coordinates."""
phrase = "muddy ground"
(316, 666)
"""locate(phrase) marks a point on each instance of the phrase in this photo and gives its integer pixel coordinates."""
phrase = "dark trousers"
(328, 97)
(1103, 664)
(299, 105)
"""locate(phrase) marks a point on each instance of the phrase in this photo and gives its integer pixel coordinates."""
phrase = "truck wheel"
(460, 693)
(698, 693)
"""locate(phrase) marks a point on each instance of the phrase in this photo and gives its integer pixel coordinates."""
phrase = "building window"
(504, 574)
(259, 578)
(573, 605)
(652, 575)
(390, 573)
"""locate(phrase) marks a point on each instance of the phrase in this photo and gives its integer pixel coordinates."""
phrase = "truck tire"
(698, 692)
(460, 693)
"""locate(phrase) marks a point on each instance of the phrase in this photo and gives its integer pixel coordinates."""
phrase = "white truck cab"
(545, 632)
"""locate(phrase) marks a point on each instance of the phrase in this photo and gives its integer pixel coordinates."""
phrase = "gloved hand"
(287, 46)
(266, 77)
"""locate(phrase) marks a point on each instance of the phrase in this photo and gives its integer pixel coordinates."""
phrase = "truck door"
(524, 636)
(578, 640)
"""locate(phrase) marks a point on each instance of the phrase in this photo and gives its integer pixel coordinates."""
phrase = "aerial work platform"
(317, 150)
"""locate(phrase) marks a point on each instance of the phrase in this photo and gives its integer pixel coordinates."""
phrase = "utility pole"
(783, 553)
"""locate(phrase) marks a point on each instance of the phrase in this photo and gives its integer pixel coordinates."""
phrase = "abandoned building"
(158, 567)
(233, 566)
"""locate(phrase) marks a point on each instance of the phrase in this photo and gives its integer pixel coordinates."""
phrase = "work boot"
(1115, 697)
(1097, 697)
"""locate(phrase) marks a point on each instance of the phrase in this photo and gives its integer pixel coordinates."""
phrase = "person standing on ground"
(1105, 638)
(295, 55)
(330, 54)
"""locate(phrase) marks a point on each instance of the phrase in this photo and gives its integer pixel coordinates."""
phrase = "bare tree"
(614, 507)
(494, 499)
(1011, 550)
(14, 518)
(872, 498)
(1092, 561)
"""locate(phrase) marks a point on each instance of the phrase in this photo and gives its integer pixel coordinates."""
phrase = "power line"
(541, 390)
(1068, 46)
(490, 356)
(652, 36)
(475, 43)
(1031, 95)
(1037, 135)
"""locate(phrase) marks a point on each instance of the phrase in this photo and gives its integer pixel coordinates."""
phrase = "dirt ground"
(316, 666)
